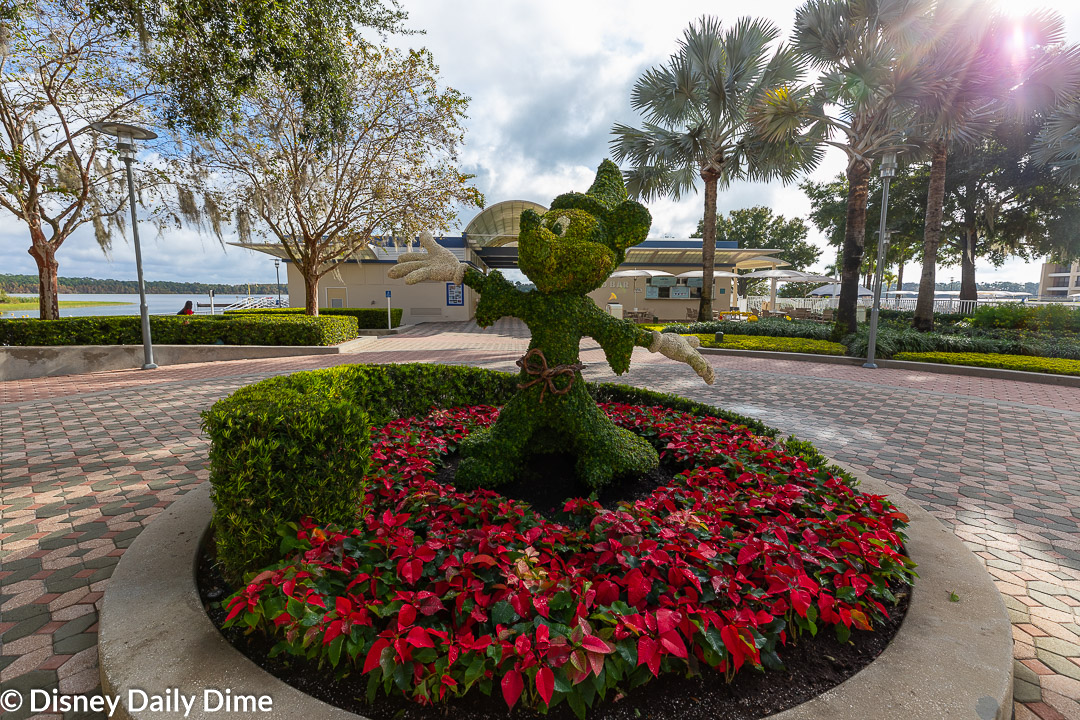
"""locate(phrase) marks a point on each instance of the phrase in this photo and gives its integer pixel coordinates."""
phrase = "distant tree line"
(1001, 286)
(94, 286)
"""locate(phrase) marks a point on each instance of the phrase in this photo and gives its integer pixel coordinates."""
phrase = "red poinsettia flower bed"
(438, 593)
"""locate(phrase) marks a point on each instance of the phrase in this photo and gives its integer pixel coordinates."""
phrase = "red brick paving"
(89, 460)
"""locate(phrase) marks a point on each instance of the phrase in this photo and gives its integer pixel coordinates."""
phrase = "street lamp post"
(126, 135)
(277, 271)
(880, 277)
(888, 170)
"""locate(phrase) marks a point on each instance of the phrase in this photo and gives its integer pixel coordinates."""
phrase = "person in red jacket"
(187, 310)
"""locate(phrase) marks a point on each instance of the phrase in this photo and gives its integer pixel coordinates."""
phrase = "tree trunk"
(311, 292)
(935, 207)
(44, 254)
(858, 175)
(899, 277)
(708, 246)
(968, 290)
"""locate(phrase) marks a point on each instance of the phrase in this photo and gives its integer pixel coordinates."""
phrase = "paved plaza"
(86, 462)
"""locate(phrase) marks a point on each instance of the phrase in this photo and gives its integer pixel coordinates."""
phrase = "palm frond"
(1058, 143)
(697, 107)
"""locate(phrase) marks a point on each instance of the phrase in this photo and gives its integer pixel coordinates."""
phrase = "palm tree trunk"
(708, 246)
(935, 208)
(858, 175)
(899, 276)
(44, 254)
(968, 291)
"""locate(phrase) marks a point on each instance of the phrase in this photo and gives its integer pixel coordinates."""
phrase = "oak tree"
(389, 171)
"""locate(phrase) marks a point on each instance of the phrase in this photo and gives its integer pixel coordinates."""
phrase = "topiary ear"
(608, 186)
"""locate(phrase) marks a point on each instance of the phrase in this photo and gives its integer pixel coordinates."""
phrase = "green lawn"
(774, 344)
(1027, 363)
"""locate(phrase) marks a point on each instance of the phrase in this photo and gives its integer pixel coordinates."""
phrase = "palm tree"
(961, 112)
(983, 77)
(696, 109)
(865, 95)
(1058, 144)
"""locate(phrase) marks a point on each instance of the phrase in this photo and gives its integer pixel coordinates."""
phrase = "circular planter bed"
(720, 566)
(549, 601)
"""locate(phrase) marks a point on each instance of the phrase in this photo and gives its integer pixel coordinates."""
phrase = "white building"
(490, 243)
(1059, 281)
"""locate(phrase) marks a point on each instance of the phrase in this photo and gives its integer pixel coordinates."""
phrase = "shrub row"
(774, 344)
(1043, 318)
(180, 330)
(894, 337)
(366, 318)
(906, 317)
(263, 474)
(772, 327)
(1056, 366)
(891, 341)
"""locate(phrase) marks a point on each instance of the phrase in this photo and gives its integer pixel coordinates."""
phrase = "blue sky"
(547, 82)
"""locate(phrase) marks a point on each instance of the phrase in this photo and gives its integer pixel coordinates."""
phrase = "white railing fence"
(755, 303)
(245, 303)
(252, 303)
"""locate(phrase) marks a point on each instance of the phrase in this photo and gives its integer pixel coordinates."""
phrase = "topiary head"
(580, 241)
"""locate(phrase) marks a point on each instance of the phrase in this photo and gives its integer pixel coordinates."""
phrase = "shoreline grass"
(33, 304)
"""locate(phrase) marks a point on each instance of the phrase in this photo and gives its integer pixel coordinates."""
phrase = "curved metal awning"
(499, 224)
(683, 253)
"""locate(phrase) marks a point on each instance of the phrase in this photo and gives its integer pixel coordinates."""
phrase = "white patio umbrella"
(834, 289)
(774, 275)
(701, 273)
(813, 277)
(761, 261)
(638, 272)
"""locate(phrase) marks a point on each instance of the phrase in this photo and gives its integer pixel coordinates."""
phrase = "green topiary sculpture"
(568, 252)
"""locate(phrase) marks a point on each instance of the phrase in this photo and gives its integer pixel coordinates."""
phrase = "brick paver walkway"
(87, 461)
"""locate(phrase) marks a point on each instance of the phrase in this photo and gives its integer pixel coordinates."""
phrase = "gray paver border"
(949, 659)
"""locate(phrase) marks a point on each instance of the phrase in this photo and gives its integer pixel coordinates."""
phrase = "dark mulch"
(549, 480)
(813, 664)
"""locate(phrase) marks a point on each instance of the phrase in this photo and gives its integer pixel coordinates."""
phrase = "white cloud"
(547, 81)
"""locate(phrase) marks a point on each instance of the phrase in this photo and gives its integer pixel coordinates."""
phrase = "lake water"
(156, 304)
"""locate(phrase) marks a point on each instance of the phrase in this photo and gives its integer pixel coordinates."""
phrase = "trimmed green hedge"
(298, 444)
(180, 330)
(278, 456)
(1057, 366)
(775, 344)
(366, 318)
